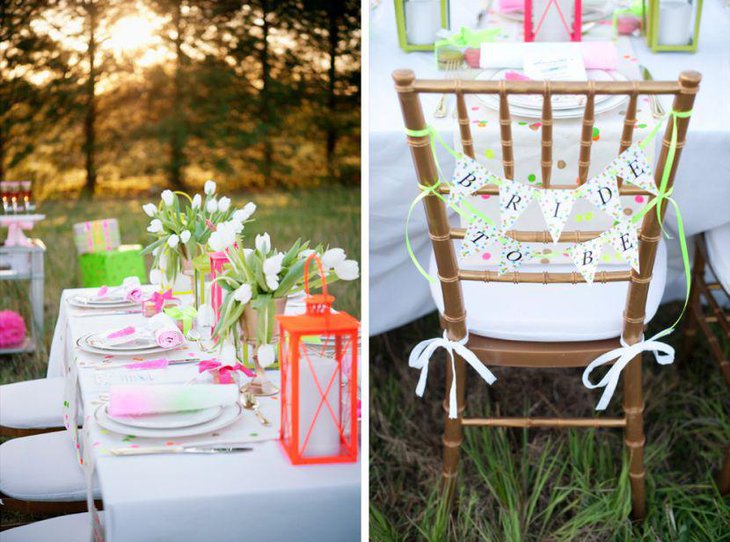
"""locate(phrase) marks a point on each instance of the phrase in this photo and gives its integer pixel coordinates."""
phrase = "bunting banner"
(514, 198)
(602, 191)
(512, 255)
(624, 237)
(469, 176)
(478, 236)
(586, 257)
(556, 206)
(633, 167)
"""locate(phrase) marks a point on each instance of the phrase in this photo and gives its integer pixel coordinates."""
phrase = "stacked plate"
(97, 343)
(564, 106)
(588, 14)
(92, 302)
(170, 425)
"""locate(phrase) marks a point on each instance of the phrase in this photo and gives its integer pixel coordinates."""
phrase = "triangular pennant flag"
(624, 238)
(633, 167)
(513, 255)
(478, 236)
(602, 191)
(514, 198)
(469, 176)
(556, 206)
(585, 257)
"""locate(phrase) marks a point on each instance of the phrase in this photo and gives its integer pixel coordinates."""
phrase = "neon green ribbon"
(432, 190)
(466, 37)
(186, 314)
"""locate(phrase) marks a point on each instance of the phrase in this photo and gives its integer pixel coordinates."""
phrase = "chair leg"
(634, 436)
(694, 306)
(723, 477)
(453, 433)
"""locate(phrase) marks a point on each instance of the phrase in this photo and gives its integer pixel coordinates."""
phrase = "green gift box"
(111, 267)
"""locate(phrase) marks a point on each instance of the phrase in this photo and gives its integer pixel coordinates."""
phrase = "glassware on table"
(13, 195)
(5, 191)
(26, 191)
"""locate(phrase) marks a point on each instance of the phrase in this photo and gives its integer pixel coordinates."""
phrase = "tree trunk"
(90, 118)
(331, 138)
(177, 129)
(265, 99)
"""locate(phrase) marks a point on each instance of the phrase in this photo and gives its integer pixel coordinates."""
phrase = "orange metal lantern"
(318, 360)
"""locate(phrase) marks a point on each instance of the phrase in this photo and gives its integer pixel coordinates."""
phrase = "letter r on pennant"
(513, 201)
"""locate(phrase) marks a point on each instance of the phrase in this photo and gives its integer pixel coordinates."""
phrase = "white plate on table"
(169, 420)
(88, 302)
(567, 107)
(588, 14)
(228, 415)
(143, 341)
(84, 345)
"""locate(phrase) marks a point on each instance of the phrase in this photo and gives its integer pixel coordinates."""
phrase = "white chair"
(31, 407)
(41, 474)
(70, 528)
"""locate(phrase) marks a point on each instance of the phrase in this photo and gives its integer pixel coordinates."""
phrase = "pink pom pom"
(12, 329)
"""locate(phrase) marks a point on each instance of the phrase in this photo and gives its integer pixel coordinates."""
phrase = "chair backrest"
(442, 234)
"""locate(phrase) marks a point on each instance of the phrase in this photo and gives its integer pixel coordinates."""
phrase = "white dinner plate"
(228, 416)
(83, 302)
(492, 100)
(143, 341)
(169, 420)
(86, 347)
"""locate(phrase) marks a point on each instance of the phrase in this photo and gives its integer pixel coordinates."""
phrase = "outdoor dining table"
(257, 495)
(702, 188)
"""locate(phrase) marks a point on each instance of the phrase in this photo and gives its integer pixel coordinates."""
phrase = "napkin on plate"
(597, 55)
(166, 332)
(142, 399)
(130, 289)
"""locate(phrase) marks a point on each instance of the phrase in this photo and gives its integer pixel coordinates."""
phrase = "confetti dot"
(578, 218)
(522, 123)
(253, 434)
(639, 199)
(169, 443)
(547, 251)
(134, 445)
(642, 125)
(589, 216)
(108, 357)
(628, 212)
(489, 153)
(97, 444)
(596, 134)
(544, 260)
(622, 113)
(606, 258)
(475, 108)
(535, 126)
(486, 256)
(561, 164)
(531, 177)
(215, 435)
(486, 196)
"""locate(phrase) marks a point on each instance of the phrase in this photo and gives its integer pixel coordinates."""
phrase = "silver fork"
(450, 69)
(657, 110)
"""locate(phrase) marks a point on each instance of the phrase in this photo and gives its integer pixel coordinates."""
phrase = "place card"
(555, 62)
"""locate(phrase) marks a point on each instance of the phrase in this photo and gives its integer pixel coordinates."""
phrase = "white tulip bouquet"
(263, 275)
(185, 227)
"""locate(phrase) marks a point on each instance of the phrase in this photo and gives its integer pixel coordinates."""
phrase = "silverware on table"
(250, 402)
(451, 67)
(110, 313)
(587, 27)
(103, 365)
(157, 450)
(657, 111)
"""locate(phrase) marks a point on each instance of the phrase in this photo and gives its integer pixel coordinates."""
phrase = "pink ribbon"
(159, 299)
(224, 371)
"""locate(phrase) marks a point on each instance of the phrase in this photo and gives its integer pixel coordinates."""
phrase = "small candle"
(675, 17)
(324, 440)
(422, 21)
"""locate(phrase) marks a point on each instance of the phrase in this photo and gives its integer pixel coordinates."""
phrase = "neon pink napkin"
(161, 363)
(507, 6)
(225, 372)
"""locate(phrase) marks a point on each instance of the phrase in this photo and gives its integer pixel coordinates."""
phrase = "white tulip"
(211, 206)
(223, 237)
(197, 200)
(272, 265)
(304, 254)
(209, 187)
(185, 236)
(155, 226)
(272, 281)
(266, 355)
(243, 293)
(168, 197)
(263, 243)
(224, 204)
(155, 276)
(235, 226)
(244, 214)
(150, 209)
(332, 257)
(173, 241)
(246, 253)
(347, 270)
(155, 251)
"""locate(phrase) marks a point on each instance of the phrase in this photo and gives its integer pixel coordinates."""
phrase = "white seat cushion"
(551, 312)
(718, 252)
(33, 404)
(42, 468)
(69, 528)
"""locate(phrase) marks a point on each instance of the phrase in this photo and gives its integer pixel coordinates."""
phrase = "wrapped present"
(111, 267)
(97, 236)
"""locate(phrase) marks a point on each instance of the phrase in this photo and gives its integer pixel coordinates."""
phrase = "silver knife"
(156, 450)
(113, 313)
(657, 110)
(108, 365)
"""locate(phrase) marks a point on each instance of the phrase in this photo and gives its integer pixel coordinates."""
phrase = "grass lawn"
(545, 485)
(329, 215)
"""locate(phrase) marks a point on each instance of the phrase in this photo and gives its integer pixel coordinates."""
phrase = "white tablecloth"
(702, 182)
(254, 495)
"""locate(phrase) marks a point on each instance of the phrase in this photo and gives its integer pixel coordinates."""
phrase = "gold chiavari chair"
(498, 352)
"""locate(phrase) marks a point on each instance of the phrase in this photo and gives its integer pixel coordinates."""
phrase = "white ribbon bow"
(421, 355)
(663, 353)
